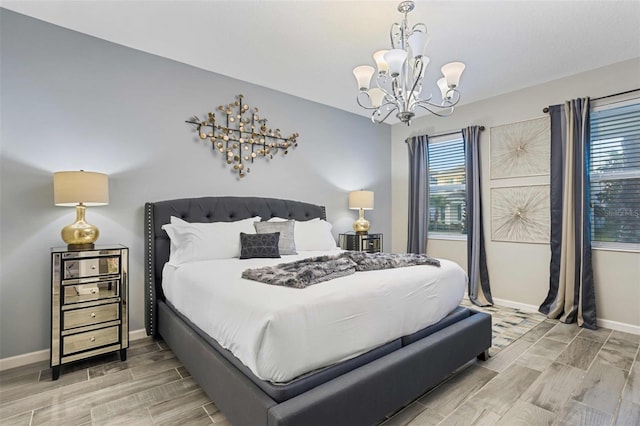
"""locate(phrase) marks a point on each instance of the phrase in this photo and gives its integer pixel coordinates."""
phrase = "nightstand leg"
(123, 354)
(55, 372)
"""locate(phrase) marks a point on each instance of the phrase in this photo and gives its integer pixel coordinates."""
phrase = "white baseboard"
(515, 305)
(20, 360)
(137, 334)
(38, 356)
(613, 325)
(620, 326)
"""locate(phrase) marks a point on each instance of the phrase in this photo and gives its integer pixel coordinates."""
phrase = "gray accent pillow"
(259, 245)
(287, 244)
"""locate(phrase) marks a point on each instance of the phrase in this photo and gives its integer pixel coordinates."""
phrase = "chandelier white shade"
(363, 74)
(378, 57)
(397, 85)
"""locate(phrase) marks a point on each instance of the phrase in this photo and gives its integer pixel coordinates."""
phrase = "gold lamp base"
(361, 226)
(80, 235)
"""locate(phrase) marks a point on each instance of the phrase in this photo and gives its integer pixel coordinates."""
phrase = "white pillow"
(191, 242)
(281, 219)
(314, 234)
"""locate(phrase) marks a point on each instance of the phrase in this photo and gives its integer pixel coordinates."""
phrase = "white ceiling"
(308, 48)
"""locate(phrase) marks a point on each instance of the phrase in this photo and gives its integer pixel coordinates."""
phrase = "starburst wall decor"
(244, 135)
(520, 214)
(521, 149)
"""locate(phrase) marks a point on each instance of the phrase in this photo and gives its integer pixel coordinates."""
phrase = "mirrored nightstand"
(89, 315)
(370, 243)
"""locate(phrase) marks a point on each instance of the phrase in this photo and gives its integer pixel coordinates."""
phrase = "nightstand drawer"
(93, 315)
(90, 339)
(80, 268)
(88, 291)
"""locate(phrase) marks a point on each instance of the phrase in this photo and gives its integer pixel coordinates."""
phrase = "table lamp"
(80, 189)
(361, 200)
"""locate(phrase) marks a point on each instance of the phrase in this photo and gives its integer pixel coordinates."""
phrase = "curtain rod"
(546, 109)
(448, 133)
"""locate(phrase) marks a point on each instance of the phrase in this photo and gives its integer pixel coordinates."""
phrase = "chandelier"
(398, 82)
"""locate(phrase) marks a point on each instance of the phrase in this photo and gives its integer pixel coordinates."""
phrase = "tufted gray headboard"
(206, 209)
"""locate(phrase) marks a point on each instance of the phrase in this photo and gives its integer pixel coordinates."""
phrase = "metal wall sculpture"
(244, 135)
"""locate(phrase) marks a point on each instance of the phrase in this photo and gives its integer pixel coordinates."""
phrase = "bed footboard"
(362, 396)
(365, 395)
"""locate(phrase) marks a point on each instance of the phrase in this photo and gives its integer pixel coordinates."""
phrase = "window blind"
(614, 167)
(447, 185)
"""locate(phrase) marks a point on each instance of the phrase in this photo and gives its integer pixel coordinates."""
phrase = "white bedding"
(281, 333)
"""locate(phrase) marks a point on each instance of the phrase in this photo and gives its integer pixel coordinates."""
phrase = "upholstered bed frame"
(360, 396)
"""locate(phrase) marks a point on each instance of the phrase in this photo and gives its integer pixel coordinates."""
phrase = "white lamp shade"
(442, 85)
(88, 188)
(418, 42)
(377, 96)
(363, 74)
(452, 72)
(361, 200)
(395, 59)
(378, 57)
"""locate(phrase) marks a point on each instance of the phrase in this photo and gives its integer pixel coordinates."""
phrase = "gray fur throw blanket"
(306, 272)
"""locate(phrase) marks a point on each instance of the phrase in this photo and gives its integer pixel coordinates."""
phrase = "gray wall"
(71, 101)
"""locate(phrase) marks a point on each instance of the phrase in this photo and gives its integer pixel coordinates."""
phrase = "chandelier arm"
(389, 98)
(398, 95)
(428, 99)
(420, 24)
(393, 43)
(373, 116)
(431, 104)
(381, 86)
(455, 92)
(360, 103)
(435, 112)
(415, 83)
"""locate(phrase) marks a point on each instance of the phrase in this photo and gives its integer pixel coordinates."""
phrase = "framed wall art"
(520, 214)
(521, 149)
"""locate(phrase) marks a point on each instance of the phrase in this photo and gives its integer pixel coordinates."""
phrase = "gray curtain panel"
(479, 288)
(571, 296)
(418, 194)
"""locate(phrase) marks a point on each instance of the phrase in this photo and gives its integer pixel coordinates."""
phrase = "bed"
(358, 390)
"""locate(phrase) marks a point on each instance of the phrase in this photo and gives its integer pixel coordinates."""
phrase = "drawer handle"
(93, 314)
(92, 339)
(93, 267)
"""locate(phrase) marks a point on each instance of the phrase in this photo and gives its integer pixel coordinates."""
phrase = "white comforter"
(281, 333)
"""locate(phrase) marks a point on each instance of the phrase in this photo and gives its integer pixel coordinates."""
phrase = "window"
(615, 175)
(447, 187)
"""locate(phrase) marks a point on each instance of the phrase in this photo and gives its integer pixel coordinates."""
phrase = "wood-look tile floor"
(555, 374)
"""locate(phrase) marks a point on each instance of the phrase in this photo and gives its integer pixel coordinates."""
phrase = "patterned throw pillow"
(287, 244)
(259, 245)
